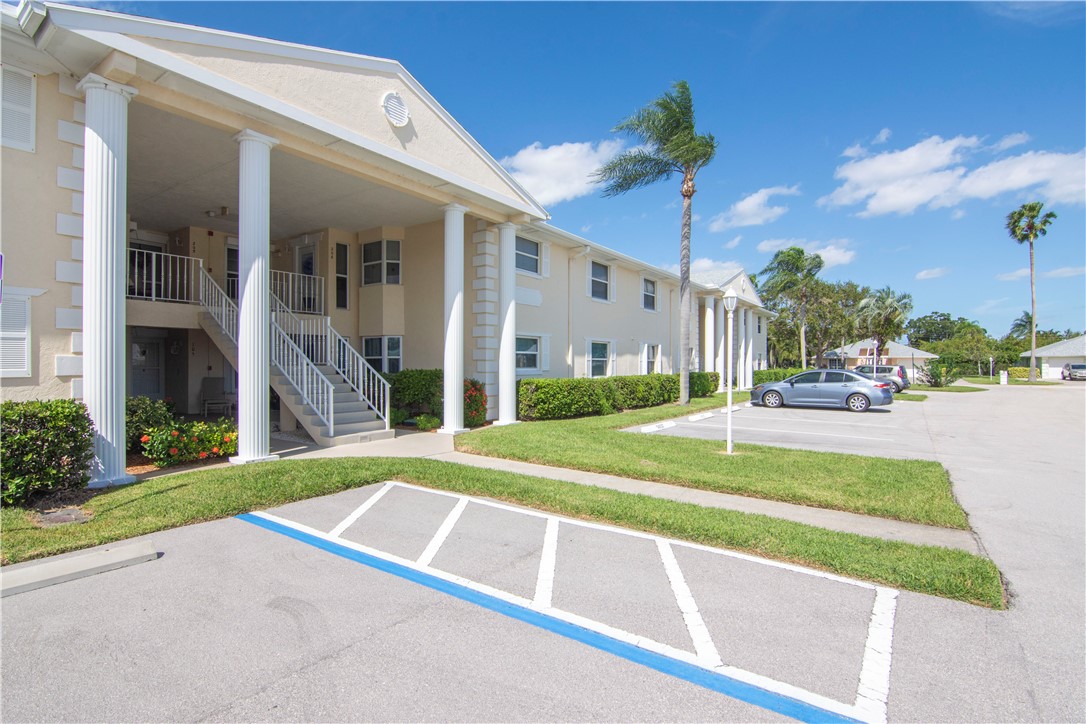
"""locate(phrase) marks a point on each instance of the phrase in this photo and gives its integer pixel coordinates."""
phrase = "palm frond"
(632, 170)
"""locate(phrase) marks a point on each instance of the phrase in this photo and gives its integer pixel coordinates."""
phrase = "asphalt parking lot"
(898, 430)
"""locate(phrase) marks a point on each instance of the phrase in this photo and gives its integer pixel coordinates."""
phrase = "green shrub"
(560, 399)
(45, 446)
(142, 415)
(1018, 373)
(775, 374)
(398, 416)
(426, 422)
(939, 373)
(187, 441)
(474, 403)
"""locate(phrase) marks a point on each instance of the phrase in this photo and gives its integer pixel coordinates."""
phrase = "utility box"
(1003, 377)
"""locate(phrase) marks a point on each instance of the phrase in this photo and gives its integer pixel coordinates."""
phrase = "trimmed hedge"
(563, 398)
(1018, 373)
(421, 392)
(45, 446)
(775, 374)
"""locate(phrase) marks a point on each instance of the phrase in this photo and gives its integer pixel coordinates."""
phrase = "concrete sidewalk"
(440, 447)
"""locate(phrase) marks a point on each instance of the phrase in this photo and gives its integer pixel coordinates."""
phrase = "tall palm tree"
(791, 274)
(667, 145)
(1022, 326)
(1024, 225)
(883, 314)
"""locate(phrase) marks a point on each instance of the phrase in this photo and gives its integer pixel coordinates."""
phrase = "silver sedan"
(825, 388)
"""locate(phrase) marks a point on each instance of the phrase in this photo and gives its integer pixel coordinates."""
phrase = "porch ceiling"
(179, 169)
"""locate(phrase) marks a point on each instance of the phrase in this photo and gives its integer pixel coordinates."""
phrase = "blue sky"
(893, 138)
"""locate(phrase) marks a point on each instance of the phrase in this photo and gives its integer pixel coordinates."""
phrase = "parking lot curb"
(52, 572)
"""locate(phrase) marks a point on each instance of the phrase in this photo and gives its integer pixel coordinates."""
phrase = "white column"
(507, 322)
(453, 369)
(749, 364)
(709, 337)
(695, 328)
(105, 209)
(740, 368)
(254, 306)
(719, 336)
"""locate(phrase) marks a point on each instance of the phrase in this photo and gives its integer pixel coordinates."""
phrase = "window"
(652, 351)
(19, 89)
(599, 358)
(527, 255)
(381, 262)
(528, 354)
(600, 282)
(807, 378)
(759, 318)
(648, 295)
(385, 354)
(15, 335)
(837, 377)
(341, 276)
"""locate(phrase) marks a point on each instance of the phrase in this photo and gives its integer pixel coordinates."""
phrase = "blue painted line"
(711, 680)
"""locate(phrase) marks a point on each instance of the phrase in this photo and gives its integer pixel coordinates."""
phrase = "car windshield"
(1078, 367)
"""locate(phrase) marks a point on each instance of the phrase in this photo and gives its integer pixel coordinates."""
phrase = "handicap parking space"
(896, 431)
(768, 633)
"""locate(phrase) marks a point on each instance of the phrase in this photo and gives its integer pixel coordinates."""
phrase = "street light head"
(730, 298)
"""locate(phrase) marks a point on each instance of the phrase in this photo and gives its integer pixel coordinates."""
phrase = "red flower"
(226, 438)
(173, 451)
(215, 450)
(203, 455)
(175, 433)
(145, 438)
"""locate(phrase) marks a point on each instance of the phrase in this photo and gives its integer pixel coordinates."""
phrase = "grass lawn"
(910, 490)
(909, 397)
(949, 388)
(1011, 380)
(202, 495)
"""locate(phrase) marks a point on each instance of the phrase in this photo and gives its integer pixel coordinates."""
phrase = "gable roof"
(1074, 347)
(892, 349)
(739, 281)
(319, 89)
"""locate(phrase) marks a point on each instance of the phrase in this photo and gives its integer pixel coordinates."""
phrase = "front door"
(148, 377)
(232, 271)
(805, 389)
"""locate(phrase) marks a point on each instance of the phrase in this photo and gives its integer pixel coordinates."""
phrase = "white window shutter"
(545, 353)
(612, 282)
(545, 259)
(588, 276)
(642, 358)
(18, 109)
(612, 366)
(15, 337)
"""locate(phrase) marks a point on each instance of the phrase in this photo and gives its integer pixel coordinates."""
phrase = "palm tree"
(1024, 226)
(1022, 326)
(667, 144)
(883, 314)
(791, 274)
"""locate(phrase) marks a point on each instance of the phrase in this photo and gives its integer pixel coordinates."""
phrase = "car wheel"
(772, 399)
(897, 387)
(857, 403)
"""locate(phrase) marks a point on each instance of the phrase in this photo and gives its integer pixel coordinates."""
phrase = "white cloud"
(883, 137)
(989, 305)
(586, 228)
(939, 271)
(933, 173)
(562, 172)
(753, 210)
(1010, 141)
(695, 218)
(834, 252)
(854, 151)
(1065, 271)
(1014, 275)
(734, 242)
(708, 270)
(958, 214)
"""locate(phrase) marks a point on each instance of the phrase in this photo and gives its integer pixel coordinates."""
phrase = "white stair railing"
(302, 293)
(371, 387)
(317, 391)
(162, 277)
(309, 333)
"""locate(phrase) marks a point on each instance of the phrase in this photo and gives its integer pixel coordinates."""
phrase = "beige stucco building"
(215, 217)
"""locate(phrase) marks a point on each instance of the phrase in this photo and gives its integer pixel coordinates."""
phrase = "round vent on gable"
(395, 109)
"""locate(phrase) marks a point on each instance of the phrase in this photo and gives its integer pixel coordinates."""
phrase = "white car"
(1073, 372)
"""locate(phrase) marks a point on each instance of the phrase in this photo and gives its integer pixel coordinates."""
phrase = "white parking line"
(350, 519)
(442, 533)
(874, 688)
(544, 585)
(699, 633)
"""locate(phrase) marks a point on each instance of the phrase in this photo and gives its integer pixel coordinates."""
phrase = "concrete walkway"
(440, 447)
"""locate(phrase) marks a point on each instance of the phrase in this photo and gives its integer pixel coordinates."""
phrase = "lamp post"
(730, 298)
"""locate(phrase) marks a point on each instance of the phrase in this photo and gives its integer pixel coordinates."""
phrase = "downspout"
(570, 367)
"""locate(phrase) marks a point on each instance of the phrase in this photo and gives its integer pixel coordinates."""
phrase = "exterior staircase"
(336, 396)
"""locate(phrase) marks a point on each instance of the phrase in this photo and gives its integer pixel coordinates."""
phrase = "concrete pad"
(618, 580)
(793, 627)
(402, 522)
(39, 574)
(499, 548)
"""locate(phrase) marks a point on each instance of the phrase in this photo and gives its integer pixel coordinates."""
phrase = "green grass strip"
(949, 388)
(176, 500)
(909, 397)
(917, 491)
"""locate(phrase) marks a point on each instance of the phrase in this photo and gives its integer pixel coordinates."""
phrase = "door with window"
(305, 262)
(148, 377)
(232, 276)
(805, 389)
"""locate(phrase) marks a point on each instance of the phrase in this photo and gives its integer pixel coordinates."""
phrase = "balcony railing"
(163, 277)
(301, 293)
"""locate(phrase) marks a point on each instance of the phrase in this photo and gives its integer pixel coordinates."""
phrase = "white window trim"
(33, 109)
(611, 281)
(383, 262)
(384, 350)
(612, 351)
(23, 295)
(656, 296)
(543, 356)
(643, 357)
(346, 275)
